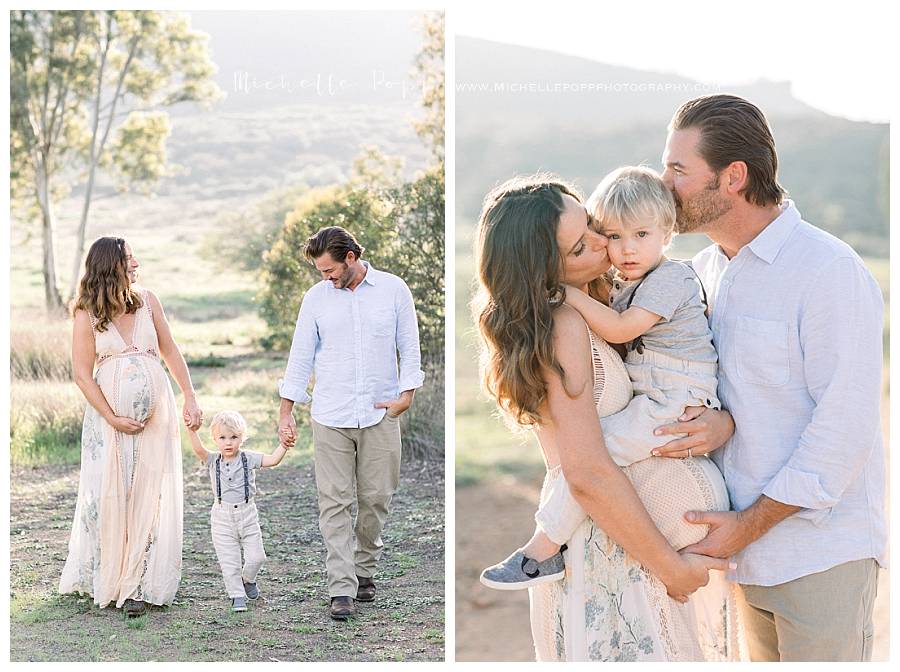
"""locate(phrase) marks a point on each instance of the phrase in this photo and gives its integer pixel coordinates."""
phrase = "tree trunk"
(52, 298)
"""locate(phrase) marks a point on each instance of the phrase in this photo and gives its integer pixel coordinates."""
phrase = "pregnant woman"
(125, 545)
(626, 591)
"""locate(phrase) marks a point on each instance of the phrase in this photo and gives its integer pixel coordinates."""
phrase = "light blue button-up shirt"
(797, 322)
(350, 339)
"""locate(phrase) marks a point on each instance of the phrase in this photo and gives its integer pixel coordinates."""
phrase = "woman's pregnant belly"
(669, 487)
(130, 385)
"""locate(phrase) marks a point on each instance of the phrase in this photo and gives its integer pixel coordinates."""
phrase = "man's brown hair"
(334, 240)
(734, 129)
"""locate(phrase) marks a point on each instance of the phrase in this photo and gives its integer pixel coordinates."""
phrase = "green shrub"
(423, 425)
(286, 274)
(401, 228)
(209, 361)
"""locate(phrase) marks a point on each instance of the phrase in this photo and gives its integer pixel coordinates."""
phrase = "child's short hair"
(633, 195)
(229, 420)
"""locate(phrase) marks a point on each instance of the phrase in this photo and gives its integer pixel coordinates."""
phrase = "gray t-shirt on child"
(672, 291)
(231, 475)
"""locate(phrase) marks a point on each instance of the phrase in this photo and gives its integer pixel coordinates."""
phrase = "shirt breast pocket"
(762, 351)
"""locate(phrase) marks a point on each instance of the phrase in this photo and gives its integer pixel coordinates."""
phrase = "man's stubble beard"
(701, 210)
(346, 278)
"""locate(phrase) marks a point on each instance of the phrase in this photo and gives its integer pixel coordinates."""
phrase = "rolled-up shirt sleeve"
(411, 374)
(303, 354)
(841, 336)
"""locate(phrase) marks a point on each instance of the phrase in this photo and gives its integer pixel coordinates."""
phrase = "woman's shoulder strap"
(145, 298)
(94, 321)
(597, 364)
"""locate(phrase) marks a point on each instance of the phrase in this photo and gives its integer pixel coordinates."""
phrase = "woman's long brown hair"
(105, 290)
(519, 266)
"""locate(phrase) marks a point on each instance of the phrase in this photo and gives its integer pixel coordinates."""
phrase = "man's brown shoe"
(366, 590)
(134, 608)
(342, 607)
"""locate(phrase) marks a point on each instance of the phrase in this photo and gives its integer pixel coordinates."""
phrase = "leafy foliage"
(429, 69)
(84, 88)
(401, 225)
(402, 230)
(286, 275)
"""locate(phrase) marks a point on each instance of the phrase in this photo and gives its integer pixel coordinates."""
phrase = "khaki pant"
(236, 526)
(825, 616)
(368, 458)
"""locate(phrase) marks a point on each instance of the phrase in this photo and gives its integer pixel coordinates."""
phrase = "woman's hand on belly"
(125, 425)
(691, 574)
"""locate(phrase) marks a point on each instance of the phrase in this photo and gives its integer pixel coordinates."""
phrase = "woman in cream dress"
(627, 595)
(125, 544)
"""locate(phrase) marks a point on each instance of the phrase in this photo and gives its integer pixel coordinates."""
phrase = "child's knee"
(255, 555)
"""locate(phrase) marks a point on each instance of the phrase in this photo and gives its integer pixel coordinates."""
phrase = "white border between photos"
(4, 348)
(450, 340)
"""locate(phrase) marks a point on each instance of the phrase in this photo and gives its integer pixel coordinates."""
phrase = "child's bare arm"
(201, 452)
(610, 325)
(275, 458)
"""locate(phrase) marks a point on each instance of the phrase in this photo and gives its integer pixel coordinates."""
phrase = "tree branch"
(43, 108)
(62, 95)
(101, 71)
(112, 112)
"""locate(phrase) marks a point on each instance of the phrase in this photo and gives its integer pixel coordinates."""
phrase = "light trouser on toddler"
(664, 386)
(235, 527)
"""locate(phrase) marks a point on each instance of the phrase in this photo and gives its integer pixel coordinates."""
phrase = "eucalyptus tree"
(87, 94)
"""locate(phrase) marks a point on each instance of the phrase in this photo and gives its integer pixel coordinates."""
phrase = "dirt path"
(492, 625)
(290, 623)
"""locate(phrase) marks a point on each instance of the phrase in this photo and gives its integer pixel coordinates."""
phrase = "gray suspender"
(638, 344)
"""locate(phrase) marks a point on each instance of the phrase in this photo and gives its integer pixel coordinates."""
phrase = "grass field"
(214, 320)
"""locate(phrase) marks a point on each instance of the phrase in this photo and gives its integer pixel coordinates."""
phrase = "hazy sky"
(280, 57)
(837, 61)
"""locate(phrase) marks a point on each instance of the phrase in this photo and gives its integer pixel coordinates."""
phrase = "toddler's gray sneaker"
(239, 604)
(518, 572)
(252, 590)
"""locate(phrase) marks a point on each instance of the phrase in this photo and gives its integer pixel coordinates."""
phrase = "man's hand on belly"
(726, 537)
(732, 531)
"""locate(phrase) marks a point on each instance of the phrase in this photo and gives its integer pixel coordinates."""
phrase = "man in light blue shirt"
(797, 323)
(349, 331)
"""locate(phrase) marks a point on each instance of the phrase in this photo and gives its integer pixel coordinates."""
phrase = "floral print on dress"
(134, 383)
(140, 388)
(610, 608)
(619, 635)
(92, 434)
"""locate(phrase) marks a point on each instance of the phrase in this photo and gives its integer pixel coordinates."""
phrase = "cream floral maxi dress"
(609, 608)
(127, 532)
